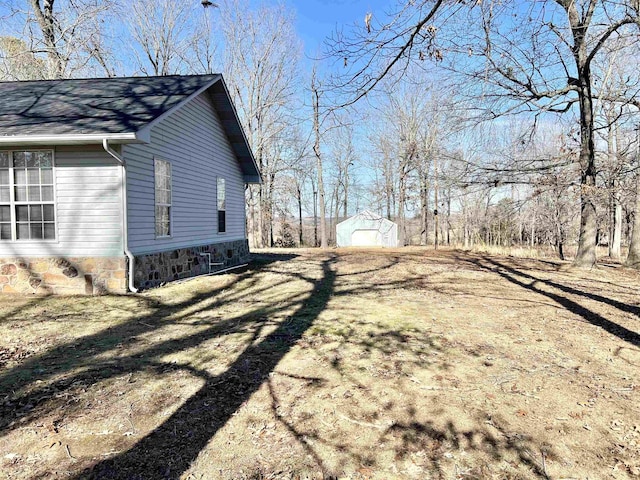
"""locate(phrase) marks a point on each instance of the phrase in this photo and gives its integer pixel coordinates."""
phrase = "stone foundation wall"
(55, 275)
(158, 268)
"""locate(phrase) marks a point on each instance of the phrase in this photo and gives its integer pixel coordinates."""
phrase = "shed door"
(366, 238)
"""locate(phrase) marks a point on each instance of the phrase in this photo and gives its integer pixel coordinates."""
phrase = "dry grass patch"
(348, 363)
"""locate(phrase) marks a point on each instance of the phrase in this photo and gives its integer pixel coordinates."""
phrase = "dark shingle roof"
(50, 112)
(91, 106)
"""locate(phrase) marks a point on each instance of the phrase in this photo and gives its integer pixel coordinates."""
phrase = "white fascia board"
(17, 140)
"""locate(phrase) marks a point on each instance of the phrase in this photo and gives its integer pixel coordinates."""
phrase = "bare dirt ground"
(340, 364)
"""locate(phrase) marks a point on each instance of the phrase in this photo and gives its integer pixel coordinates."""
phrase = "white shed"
(367, 229)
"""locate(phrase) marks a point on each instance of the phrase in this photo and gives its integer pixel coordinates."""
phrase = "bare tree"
(429, 143)
(402, 115)
(343, 158)
(17, 62)
(316, 95)
(540, 63)
(50, 28)
(202, 55)
(69, 37)
(633, 258)
(261, 57)
(160, 35)
(382, 164)
(377, 50)
(613, 169)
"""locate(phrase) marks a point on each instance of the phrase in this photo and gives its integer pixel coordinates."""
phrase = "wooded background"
(500, 123)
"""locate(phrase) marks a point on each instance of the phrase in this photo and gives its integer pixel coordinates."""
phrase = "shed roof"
(367, 215)
(121, 109)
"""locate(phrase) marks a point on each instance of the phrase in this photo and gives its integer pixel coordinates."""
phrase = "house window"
(222, 206)
(27, 208)
(163, 197)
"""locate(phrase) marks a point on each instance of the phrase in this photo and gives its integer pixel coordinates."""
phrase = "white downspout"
(125, 217)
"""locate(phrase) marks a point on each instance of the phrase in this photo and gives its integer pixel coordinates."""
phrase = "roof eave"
(240, 145)
(82, 139)
(252, 179)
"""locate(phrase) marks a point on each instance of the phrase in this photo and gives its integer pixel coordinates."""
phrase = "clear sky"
(317, 19)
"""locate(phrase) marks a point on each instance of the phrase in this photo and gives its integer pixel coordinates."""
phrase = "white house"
(367, 229)
(119, 184)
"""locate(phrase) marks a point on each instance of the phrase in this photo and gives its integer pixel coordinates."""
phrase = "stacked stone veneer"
(56, 275)
(158, 268)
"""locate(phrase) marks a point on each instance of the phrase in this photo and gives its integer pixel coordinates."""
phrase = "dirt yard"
(405, 364)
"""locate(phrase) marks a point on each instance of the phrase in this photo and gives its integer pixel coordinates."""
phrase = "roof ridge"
(129, 77)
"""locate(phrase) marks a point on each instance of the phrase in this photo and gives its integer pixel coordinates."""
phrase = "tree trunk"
(315, 214)
(560, 239)
(316, 150)
(388, 193)
(424, 209)
(633, 259)
(449, 216)
(615, 209)
(532, 240)
(615, 221)
(251, 220)
(346, 191)
(586, 254)
(260, 237)
(47, 23)
(299, 195)
(402, 192)
(465, 225)
(269, 210)
(617, 232)
(337, 208)
(265, 215)
(436, 217)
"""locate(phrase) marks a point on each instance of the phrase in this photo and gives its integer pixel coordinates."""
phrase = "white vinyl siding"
(88, 207)
(193, 140)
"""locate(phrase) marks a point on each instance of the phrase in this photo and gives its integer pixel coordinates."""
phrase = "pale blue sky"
(317, 19)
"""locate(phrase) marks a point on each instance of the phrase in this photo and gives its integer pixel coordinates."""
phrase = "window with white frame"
(162, 170)
(222, 206)
(27, 207)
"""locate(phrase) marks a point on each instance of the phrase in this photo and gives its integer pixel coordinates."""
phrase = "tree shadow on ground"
(529, 281)
(435, 441)
(32, 388)
(396, 424)
(170, 449)
(64, 358)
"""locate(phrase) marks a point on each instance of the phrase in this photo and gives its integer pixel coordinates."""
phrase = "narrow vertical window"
(222, 206)
(5, 197)
(163, 197)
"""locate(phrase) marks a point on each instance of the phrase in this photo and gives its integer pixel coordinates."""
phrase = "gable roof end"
(117, 108)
